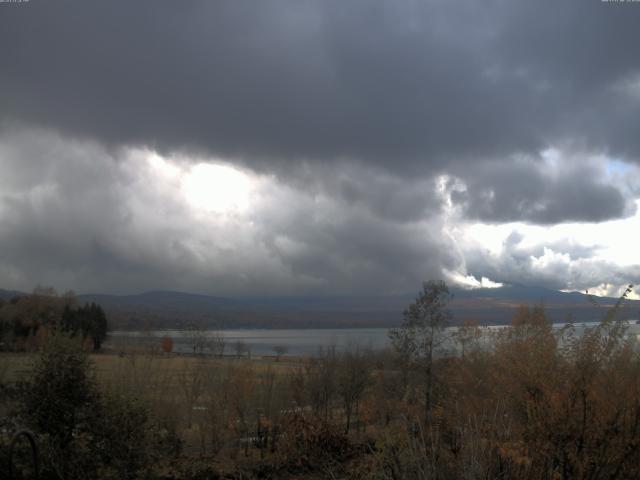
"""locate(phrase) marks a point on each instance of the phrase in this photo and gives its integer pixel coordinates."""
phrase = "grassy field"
(14, 366)
(181, 389)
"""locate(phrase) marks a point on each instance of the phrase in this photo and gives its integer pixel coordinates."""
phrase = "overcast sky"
(319, 147)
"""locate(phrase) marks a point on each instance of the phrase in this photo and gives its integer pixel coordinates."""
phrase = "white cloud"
(602, 257)
(217, 188)
(470, 282)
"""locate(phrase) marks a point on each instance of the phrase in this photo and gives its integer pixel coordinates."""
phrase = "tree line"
(26, 321)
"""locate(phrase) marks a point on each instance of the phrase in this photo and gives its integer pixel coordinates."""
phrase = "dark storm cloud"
(74, 214)
(382, 193)
(532, 190)
(348, 249)
(401, 84)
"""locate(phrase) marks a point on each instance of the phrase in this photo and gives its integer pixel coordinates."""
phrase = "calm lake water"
(296, 341)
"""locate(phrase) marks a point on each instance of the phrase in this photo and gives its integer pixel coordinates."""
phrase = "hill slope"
(169, 309)
(487, 306)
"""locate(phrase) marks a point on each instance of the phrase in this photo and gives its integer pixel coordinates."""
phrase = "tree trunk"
(429, 378)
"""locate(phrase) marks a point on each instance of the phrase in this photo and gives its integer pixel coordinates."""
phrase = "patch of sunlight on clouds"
(217, 188)
(163, 166)
(613, 291)
(489, 237)
(617, 240)
(206, 186)
(549, 259)
(470, 282)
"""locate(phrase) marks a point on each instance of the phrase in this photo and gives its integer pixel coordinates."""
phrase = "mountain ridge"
(174, 309)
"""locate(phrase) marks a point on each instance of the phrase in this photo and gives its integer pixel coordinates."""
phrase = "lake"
(296, 341)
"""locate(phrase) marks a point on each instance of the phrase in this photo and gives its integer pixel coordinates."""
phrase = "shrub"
(306, 443)
(84, 433)
(166, 344)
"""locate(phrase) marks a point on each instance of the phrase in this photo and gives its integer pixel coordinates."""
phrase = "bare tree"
(217, 412)
(279, 351)
(240, 348)
(467, 335)
(148, 340)
(321, 381)
(216, 342)
(354, 375)
(422, 333)
(241, 399)
(196, 335)
(192, 380)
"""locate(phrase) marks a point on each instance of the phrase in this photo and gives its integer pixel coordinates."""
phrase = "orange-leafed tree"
(166, 344)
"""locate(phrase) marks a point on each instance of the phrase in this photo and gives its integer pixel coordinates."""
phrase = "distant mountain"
(521, 292)
(485, 305)
(169, 309)
(167, 300)
(497, 305)
(8, 294)
(175, 309)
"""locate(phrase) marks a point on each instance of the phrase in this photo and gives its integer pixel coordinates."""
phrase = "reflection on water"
(307, 341)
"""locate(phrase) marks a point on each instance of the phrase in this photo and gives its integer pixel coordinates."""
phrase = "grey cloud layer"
(525, 189)
(360, 109)
(402, 84)
(76, 215)
(413, 88)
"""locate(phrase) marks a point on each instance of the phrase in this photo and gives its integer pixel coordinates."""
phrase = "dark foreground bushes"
(81, 431)
(540, 404)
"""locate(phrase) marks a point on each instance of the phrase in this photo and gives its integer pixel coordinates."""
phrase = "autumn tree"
(192, 381)
(28, 319)
(167, 344)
